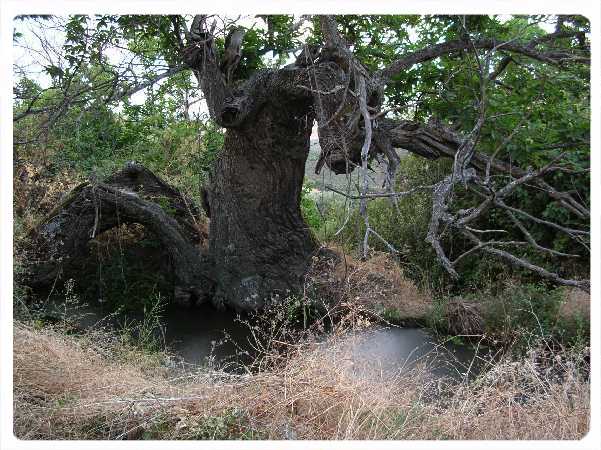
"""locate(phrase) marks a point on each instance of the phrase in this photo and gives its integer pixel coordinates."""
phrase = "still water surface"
(204, 335)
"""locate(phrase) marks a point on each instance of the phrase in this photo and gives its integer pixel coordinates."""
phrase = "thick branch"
(201, 56)
(434, 141)
(233, 106)
(448, 48)
(133, 195)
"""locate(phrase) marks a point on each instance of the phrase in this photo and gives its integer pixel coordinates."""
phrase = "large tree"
(354, 77)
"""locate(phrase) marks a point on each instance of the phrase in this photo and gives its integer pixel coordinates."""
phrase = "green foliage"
(391, 315)
(130, 274)
(90, 140)
(522, 315)
(309, 208)
(146, 333)
(515, 316)
(404, 226)
(302, 311)
(530, 312)
(231, 424)
(101, 140)
(212, 139)
(378, 40)
(165, 204)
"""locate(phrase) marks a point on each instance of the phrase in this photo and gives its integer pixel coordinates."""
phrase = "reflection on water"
(204, 335)
(395, 350)
(198, 336)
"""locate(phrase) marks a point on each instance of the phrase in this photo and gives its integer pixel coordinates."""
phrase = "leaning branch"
(130, 90)
(202, 57)
(375, 195)
(585, 285)
(433, 141)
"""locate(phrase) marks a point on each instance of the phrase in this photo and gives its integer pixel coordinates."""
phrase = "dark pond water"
(197, 336)
(203, 336)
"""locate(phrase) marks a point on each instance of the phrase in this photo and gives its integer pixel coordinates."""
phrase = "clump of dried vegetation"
(36, 193)
(376, 286)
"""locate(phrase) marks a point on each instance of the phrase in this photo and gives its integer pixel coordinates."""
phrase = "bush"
(232, 424)
(404, 226)
(518, 315)
(309, 208)
(147, 333)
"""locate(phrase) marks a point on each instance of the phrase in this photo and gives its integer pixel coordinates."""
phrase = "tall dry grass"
(70, 387)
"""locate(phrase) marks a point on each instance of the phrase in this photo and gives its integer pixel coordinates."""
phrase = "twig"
(370, 195)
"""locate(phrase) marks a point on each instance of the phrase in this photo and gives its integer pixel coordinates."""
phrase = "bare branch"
(569, 231)
(486, 244)
(521, 262)
(533, 242)
(131, 90)
(364, 154)
(370, 195)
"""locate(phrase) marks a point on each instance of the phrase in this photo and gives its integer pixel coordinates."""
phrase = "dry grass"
(36, 193)
(64, 386)
(516, 400)
(463, 317)
(576, 305)
(82, 388)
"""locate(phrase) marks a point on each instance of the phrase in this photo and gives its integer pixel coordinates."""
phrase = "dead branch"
(585, 285)
(375, 195)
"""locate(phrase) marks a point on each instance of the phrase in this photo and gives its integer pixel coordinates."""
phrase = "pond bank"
(92, 387)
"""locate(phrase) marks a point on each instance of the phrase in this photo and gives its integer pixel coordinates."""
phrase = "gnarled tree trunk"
(259, 243)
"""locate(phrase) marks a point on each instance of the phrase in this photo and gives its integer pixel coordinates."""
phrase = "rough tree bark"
(258, 241)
